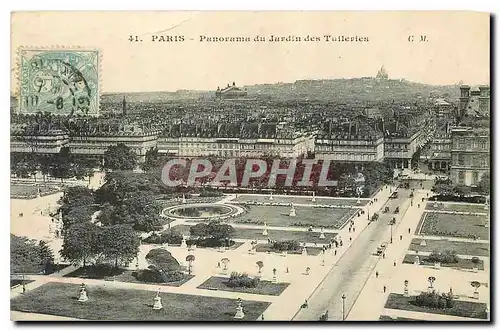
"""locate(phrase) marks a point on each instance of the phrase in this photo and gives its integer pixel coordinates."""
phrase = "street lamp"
(391, 232)
(343, 306)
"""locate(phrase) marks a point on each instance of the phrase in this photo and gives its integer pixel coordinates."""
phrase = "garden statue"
(183, 198)
(322, 234)
(239, 310)
(271, 197)
(83, 294)
(313, 197)
(183, 243)
(304, 251)
(417, 260)
(157, 301)
(423, 243)
(292, 211)
(264, 233)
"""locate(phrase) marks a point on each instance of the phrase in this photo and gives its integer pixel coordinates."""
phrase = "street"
(351, 272)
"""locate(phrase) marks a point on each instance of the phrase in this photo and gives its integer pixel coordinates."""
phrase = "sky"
(457, 46)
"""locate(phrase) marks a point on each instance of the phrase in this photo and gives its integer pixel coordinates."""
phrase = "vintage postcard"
(250, 166)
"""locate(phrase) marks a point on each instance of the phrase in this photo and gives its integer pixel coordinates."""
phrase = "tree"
(28, 257)
(190, 259)
(200, 230)
(484, 184)
(218, 230)
(120, 157)
(46, 256)
(476, 285)
(75, 196)
(119, 243)
(260, 265)
(431, 281)
(81, 243)
(475, 260)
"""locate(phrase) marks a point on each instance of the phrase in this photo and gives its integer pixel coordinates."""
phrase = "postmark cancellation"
(62, 81)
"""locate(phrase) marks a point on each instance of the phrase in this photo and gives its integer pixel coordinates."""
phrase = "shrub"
(148, 276)
(153, 275)
(241, 280)
(443, 257)
(161, 259)
(210, 242)
(475, 260)
(288, 245)
(434, 300)
(170, 237)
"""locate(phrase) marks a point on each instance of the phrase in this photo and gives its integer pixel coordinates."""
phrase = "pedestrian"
(353, 229)
(287, 271)
(376, 274)
(418, 205)
(385, 288)
(24, 288)
(335, 252)
(409, 230)
(218, 265)
(350, 239)
(349, 229)
(401, 237)
(394, 263)
(262, 317)
(383, 255)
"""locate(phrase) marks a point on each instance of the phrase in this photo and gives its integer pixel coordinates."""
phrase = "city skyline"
(454, 53)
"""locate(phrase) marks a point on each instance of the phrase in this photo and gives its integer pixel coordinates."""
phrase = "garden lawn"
(460, 308)
(278, 235)
(119, 275)
(264, 287)
(386, 318)
(458, 207)
(269, 248)
(448, 225)
(461, 264)
(300, 200)
(333, 218)
(463, 248)
(109, 304)
(18, 190)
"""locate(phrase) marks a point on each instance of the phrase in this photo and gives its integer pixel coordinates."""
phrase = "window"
(475, 178)
(461, 177)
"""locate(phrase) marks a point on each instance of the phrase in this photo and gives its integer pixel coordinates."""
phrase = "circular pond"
(200, 211)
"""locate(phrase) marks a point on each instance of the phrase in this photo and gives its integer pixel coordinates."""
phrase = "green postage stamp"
(59, 81)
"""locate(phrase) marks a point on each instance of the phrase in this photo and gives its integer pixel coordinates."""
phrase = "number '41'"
(134, 39)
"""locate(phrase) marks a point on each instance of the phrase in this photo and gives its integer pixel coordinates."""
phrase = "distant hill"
(363, 89)
(354, 89)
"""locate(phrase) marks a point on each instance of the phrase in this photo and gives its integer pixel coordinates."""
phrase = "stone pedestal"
(475, 269)
(275, 279)
(83, 295)
(322, 234)
(292, 212)
(304, 251)
(157, 302)
(183, 243)
(271, 197)
(437, 265)
(417, 260)
(239, 312)
(264, 232)
(406, 292)
(475, 295)
(284, 253)
(423, 243)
